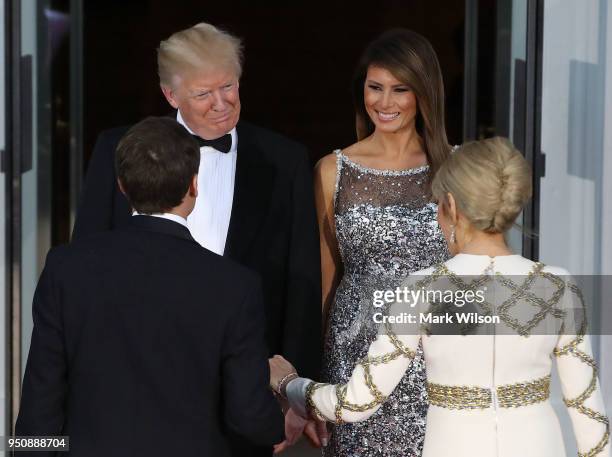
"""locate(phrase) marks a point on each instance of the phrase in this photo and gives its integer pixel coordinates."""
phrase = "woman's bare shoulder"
(325, 172)
(326, 168)
(326, 164)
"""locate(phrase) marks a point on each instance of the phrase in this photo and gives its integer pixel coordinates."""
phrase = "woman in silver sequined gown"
(378, 224)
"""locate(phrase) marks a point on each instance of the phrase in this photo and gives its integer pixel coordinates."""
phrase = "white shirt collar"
(169, 216)
(232, 132)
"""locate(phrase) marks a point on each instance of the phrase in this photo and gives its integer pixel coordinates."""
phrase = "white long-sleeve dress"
(488, 393)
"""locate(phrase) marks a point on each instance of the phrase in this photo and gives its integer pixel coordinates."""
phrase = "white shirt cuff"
(296, 394)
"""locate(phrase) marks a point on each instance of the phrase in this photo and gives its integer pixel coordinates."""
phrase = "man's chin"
(216, 129)
(225, 126)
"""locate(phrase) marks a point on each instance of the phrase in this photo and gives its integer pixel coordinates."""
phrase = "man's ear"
(121, 187)
(452, 208)
(170, 95)
(193, 187)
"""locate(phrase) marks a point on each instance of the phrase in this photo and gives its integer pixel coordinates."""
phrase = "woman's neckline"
(488, 256)
(381, 171)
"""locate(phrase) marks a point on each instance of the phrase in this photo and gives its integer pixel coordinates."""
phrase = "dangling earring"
(453, 239)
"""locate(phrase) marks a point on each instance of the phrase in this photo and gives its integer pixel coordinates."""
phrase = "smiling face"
(391, 104)
(209, 101)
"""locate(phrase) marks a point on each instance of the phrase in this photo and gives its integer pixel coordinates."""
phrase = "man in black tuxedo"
(144, 342)
(256, 205)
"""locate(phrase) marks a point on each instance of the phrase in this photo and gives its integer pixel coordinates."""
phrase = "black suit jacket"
(147, 344)
(272, 230)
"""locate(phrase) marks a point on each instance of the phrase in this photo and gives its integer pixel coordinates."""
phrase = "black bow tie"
(221, 144)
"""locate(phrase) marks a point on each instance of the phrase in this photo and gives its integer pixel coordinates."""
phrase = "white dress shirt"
(209, 221)
(169, 216)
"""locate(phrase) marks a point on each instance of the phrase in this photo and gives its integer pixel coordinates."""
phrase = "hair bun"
(515, 179)
(490, 181)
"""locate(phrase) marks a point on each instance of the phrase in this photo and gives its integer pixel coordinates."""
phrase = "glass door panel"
(4, 306)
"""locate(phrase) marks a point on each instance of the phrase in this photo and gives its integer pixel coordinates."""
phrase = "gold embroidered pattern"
(458, 397)
(519, 293)
(524, 393)
(378, 396)
(365, 363)
(523, 292)
(310, 389)
(508, 396)
(571, 349)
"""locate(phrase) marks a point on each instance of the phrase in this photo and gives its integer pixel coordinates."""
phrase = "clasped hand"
(295, 425)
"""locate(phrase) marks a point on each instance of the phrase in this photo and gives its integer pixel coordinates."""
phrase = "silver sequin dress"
(386, 228)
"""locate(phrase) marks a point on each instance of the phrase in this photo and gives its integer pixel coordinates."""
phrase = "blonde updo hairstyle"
(490, 181)
(198, 48)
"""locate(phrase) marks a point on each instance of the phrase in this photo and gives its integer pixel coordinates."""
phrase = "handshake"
(296, 424)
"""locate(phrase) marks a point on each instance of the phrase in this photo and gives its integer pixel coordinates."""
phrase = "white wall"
(575, 205)
(606, 220)
(572, 129)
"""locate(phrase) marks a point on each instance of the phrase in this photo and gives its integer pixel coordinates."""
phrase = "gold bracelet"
(281, 387)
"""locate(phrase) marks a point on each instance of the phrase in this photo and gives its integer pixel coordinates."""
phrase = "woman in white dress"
(488, 393)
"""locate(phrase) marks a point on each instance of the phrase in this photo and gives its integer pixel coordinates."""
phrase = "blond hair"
(198, 48)
(490, 181)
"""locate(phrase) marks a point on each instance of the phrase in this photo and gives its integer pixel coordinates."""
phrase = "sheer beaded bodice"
(385, 220)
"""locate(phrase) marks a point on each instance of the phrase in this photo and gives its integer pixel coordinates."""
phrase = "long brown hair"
(411, 59)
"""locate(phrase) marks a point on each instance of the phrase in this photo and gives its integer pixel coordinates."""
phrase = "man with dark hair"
(154, 179)
(144, 342)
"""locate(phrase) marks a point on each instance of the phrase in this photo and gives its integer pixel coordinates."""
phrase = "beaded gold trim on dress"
(520, 293)
(572, 349)
(508, 396)
(378, 398)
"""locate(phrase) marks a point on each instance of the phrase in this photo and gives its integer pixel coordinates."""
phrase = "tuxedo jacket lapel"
(252, 187)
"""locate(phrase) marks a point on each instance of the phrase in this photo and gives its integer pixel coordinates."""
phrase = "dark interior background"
(299, 60)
